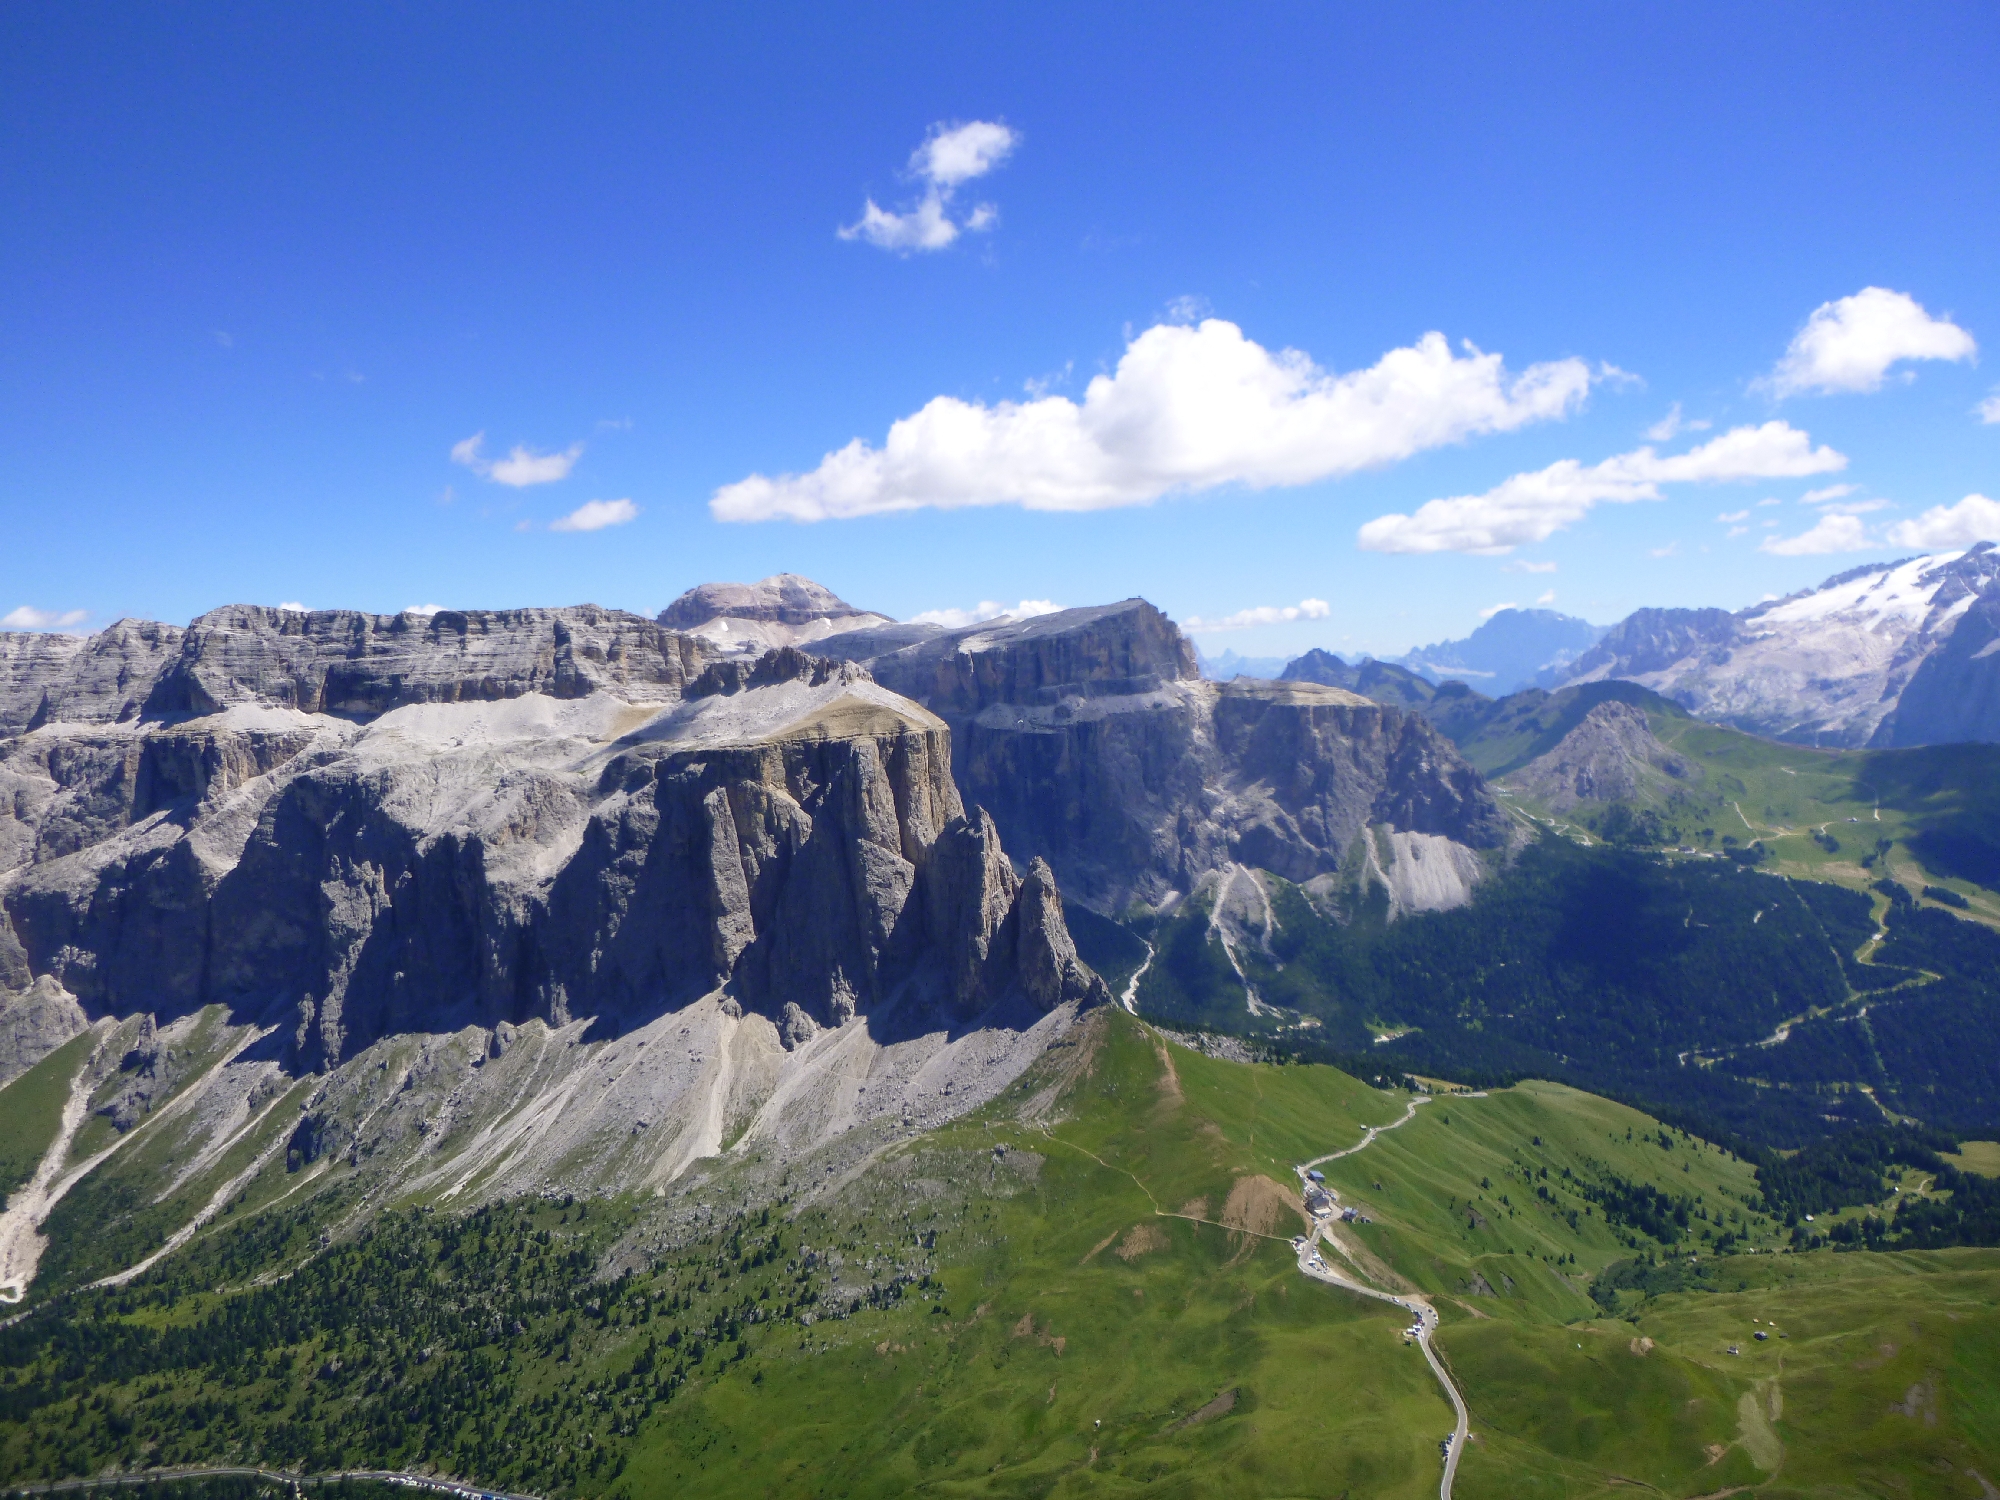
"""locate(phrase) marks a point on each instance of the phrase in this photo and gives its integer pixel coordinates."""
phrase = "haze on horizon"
(1314, 329)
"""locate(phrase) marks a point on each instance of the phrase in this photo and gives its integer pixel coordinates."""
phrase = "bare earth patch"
(1140, 1239)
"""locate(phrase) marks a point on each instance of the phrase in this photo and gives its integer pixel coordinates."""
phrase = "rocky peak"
(781, 599)
(1611, 755)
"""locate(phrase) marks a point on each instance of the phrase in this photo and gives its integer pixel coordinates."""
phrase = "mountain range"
(774, 932)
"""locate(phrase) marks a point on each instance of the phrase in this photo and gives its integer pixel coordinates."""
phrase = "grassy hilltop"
(1085, 1288)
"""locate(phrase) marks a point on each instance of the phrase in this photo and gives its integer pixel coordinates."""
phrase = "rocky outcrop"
(99, 679)
(1612, 755)
(390, 824)
(782, 610)
(1095, 744)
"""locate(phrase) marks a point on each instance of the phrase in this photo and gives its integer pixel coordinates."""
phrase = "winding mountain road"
(1312, 1264)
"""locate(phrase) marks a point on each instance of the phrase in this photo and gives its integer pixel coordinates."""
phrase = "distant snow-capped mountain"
(1901, 653)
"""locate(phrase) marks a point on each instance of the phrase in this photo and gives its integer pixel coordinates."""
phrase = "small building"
(1316, 1175)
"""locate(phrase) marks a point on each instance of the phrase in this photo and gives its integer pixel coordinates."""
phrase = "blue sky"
(263, 270)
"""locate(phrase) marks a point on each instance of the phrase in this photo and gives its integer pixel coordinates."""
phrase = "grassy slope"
(31, 1110)
(1757, 789)
(1123, 1261)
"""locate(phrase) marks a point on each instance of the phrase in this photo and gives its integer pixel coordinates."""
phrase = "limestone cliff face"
(344, 662)
(1091, 738)
(356, 826)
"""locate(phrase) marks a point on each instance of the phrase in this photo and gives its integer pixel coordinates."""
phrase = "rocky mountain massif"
(1093, 740)
(586, 874)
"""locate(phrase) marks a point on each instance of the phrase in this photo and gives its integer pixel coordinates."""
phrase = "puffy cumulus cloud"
(1188, 408)
(521, 467)
(984, 610)
(1840, 533)
(951, 156)
(1945, 527)
(1849, 344)
(595, 515)
(426, 610)
(292, 606)
(27, 617)
(1262, 614)
(1532, 507)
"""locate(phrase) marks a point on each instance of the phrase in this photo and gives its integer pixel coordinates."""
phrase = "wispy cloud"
(1829, 534)
(1944, 527)
(595, 515)
(27, 617)
(1493, 609)
(1532, 507)
(1827, 492)
(1730, 517)
(1263, 614)
(1547, 598)
(951, 156)
(984, 610)
(1849, 344)
(1989, 409)
(1672, 549)
(1521, 565)
(521, 467)
(1672, 425)
(1187, 409)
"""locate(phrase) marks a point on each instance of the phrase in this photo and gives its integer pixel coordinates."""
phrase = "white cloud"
(1531, 507)
(1518, 565)
(595, 515)
(292, 606)
(1945, 527)
(521, 467)
(1849, 345)
(949, 157)
(1547, 598)
(27, 617)
(1736, 531)
(1771, 500)
(986, 609)
(1830, 534)
(1263, 614)
(1493, 609)
(1672, 549)
(1854, 507)
(1829, 492)
(426, 610)
(1672, 425)
(1989, 409)
(1186, 409)
(1731, 516)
